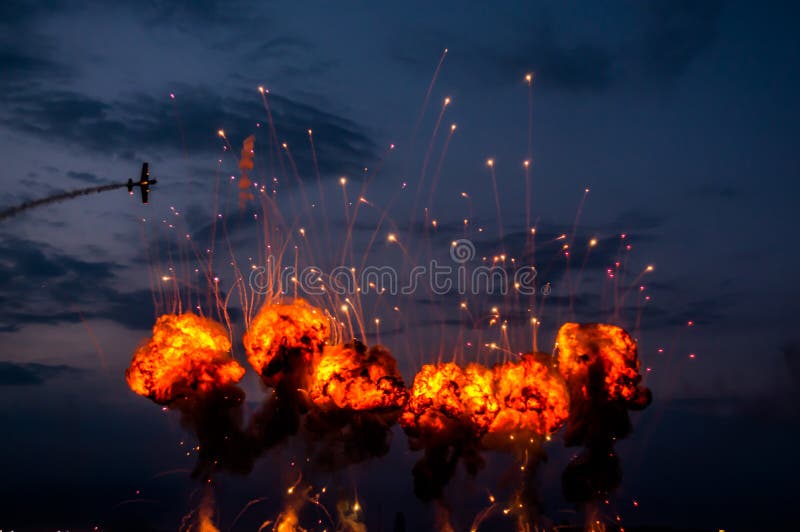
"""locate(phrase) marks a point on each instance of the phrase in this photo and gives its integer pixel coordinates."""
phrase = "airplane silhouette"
(143, 183)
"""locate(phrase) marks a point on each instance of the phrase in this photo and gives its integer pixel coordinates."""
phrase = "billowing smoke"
(357, 395)
(343, 400)
(454, 413)
(601, 365)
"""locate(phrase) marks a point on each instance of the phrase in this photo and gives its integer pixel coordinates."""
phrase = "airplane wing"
(145, 190)
(145, 173)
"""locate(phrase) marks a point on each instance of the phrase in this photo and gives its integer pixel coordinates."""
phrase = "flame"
(206, 522)
(584, 347)
(245, 165)
(352, 377)
(281, 332)
(532, 396)
(447, 400)
(288, 522)
(186, 354)
(522, 398)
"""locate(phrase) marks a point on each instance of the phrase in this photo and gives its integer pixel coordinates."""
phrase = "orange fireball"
(588, 352)
(532, 397)
(355, 378)
(447, 401)
(283, 336)
(186, 354)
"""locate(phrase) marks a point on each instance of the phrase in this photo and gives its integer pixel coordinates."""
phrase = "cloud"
(31, 374)
(665, 38)
(41, 285)
(676, 32)
(712, 191)
(145, 127)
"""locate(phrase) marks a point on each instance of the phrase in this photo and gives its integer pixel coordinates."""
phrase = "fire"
(532, 396)
(206, 523)
(589, 349)
(288, 522)
(523, 398)
(352, 377)
(284, 335)
(186, 354)
(447, 401)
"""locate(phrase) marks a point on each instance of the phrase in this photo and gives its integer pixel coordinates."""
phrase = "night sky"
(680, 117)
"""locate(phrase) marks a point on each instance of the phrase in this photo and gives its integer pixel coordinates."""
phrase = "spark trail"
(57, 198)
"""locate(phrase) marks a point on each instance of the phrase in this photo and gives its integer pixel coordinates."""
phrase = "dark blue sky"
(680, 116)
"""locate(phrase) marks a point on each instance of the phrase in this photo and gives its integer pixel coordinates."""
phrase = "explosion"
(352, 377)
(284, 337)
(532, 398)
(448, 402)
(601, 365)
(589, 349)
(522, 398)
(187, 354)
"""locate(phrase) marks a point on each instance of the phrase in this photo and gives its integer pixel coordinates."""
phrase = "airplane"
(143, 183)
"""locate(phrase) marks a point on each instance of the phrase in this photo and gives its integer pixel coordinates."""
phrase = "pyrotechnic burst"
(342, 399)
(447, 403)
(602, 360)
(186, 355)
(283, 338)
(532, 398)
(353, 377)
(601, 364)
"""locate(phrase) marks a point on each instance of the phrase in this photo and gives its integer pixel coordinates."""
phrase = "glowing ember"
(186, 354)
(589, 349)
(532, 396)
(283, 336)
(356, 378)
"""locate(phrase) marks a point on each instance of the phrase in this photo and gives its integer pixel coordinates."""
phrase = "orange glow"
(186, 354)
(281, 329)
(288, 522)
(516, 399)
(590, 347)
(532, 395)
(356, 378)
(447, 400)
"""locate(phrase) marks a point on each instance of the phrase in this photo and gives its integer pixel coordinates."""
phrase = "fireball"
(598, 355)
(447, 401)
(283, 337)
(532, 397)
(352, 377)
(186, 354)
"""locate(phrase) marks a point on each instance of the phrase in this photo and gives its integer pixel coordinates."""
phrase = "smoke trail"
(63, 196)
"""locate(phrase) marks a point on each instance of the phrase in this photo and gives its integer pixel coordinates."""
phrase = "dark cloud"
(144, 126)
(577, 67)
(667, 38)
(16, 65)
(15, 13)
(31, 374)
(637, 220)
(676, 32)
(41, 285)
(714, 191)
